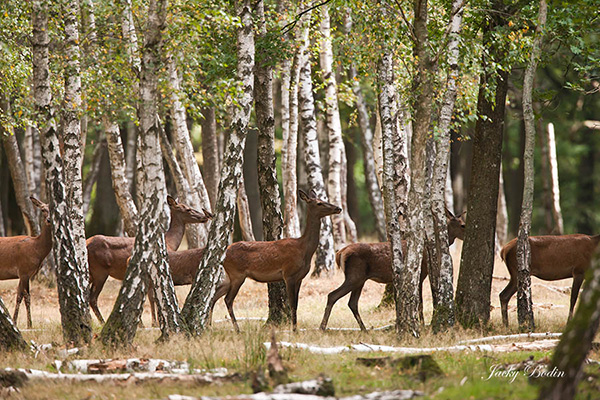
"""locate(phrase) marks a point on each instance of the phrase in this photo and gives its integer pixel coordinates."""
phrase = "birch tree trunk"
(210, 154)
(440, 266)
(130, 155)
(289, 150)
(2, 230)
(33, 162)
(92, 176)
(243, 208)
(118, 172)
(502, 217)
(325, 261)
(554, 183)
(72, 135)
(272, 221)
(10, 336)
(72, 277)
(477, 260)
(149, 258)
(196, 309)
(334, 131)
(575, 344)
(387, 111)
(198, 196)
(524, 301)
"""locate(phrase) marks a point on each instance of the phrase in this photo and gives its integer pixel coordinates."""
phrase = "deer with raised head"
(363, 261)
(107, 255)
(552, 258)
(21, 258)
(286, 259)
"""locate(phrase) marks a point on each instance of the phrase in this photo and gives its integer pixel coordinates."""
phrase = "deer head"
(43, 207)
(456, 226)
(186, 214)
(319, 207)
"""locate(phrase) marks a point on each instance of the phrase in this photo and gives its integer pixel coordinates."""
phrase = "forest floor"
(465, 374)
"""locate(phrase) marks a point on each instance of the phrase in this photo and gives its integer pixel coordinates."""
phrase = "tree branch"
(291, 25)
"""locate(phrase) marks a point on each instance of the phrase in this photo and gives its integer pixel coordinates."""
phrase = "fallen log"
(545, 335)
(322, 386)
(540, 345)
(386, 395)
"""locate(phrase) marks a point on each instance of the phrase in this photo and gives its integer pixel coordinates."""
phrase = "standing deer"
(363, 261)
(22, 256)
(107, 255)
(286, 259)
(552, 258)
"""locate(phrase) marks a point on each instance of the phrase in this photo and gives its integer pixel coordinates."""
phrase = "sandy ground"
(551, 308)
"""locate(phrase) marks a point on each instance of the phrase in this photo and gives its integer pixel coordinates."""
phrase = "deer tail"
(503, 252)
(340, 259)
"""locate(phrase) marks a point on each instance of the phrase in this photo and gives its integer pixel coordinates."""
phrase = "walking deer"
(286, 259)
(363, 261)
(552, 258)
(107, 255)
(22, 256)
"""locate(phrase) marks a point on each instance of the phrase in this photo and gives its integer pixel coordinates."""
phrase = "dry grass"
(244, 353)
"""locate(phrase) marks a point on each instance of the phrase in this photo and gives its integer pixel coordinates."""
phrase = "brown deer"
(107, 255)
(363, 261)
(286, 259)
(552, 258)
(22, 256)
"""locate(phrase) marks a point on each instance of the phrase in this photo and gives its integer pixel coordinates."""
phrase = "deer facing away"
(552, 258)
(22, 256)
(107, 255)
(286, 259)
(363, 261)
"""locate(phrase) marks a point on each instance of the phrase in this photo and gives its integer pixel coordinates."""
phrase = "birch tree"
(336, 187)
(325, 252)
(196, 309)
(440, 265)
(551, 186)
(524, 301)
(210, 153)
(272, 220)
(149, 258)
(10, 336)
(72, 277)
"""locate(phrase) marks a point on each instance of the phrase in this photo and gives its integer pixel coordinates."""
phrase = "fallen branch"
(132, 365)
(322, 386)
(540, 345)
(545, 335)
(387, 395)
(566, 290)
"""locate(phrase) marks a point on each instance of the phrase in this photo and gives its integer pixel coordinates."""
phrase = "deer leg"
(221, 291)
(332, 298)
(231, 293)
(353, 304)
(577, 281)
(27, 302)
(293, 289)
(20, 291)
(505, 297)
(97, 286)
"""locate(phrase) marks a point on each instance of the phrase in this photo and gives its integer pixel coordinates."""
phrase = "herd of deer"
(552, 258)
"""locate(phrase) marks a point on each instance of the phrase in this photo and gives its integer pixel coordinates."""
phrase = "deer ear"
(303, 195)
(171, 201)
(208, 213)
(313, 194)
(449, 214)
(37, 203)
(462, 215)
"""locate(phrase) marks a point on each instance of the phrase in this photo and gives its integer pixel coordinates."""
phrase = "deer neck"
(174, 235)
(310, 237)
(45, 238)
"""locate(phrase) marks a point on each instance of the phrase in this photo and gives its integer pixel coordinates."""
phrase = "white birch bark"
(554, 183)
(243, 208)
(92, 175)
(325, 261)
(334, 131)
(72, 277)
(31, 152)
(502, 217)
(196, 308)
(524, 301)
(378, 148)
(290, 139)
(10, 336)
(198, 196)
(118, 171)
(440, 266)
(210, 154)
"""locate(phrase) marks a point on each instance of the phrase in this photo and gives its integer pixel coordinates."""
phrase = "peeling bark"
(72, 277)
(196, 309)
(524, 301)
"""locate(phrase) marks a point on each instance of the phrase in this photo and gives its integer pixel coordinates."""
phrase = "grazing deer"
(363, 261)
(22, 256)
(286, 259)
(552, 258)
(107, 255)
